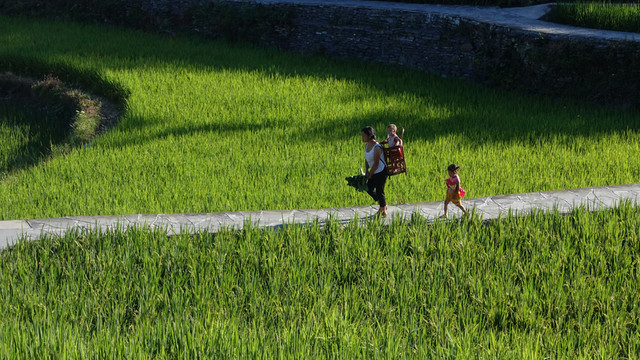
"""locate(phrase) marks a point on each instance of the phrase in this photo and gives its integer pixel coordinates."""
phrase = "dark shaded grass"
(28, 134)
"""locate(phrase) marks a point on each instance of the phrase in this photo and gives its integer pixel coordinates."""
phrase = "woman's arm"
(366, 166)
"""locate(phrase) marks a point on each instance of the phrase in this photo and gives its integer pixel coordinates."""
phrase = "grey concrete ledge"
(521, 18)
(489, 208)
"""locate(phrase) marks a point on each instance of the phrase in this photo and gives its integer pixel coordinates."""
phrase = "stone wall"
(604, 71)
(595, 70)
(417, 40)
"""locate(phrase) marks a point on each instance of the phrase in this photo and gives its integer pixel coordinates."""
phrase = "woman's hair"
(368, 130)
(453, 167)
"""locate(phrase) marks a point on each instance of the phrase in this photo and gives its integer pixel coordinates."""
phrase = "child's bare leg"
(462, 208)
(446, 206)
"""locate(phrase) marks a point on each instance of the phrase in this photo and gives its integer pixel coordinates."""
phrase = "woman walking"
(376, 168)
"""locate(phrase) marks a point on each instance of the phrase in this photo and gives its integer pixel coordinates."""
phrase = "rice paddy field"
(210, 126)
(538, 287)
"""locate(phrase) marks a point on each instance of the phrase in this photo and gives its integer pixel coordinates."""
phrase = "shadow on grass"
(139, 132)
(477, 113)
(40, 130)
(44, 117)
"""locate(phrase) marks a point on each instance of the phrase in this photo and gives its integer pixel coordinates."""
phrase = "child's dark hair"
(453, 167)
(369, 131)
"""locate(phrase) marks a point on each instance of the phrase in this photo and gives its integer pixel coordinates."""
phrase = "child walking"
(454, 190)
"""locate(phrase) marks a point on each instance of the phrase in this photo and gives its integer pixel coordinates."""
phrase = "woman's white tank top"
(369, 157)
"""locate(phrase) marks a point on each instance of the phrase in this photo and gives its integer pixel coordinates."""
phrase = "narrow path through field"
(488, 208)
(491, 207)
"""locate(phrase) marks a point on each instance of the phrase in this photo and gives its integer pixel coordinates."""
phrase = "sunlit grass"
(210, 126)
(598, 15)
(542, 286)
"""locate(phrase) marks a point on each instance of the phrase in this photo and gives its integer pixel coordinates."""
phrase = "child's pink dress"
(451, 184)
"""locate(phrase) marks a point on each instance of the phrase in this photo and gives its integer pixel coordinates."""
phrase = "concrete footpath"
(488, 208)
(525, 18)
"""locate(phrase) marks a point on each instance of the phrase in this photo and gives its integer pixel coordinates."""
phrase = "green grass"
(597, 15)
(541, 286)
(26, 135)
(42, 119)
(210, 126)
(14, 136)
